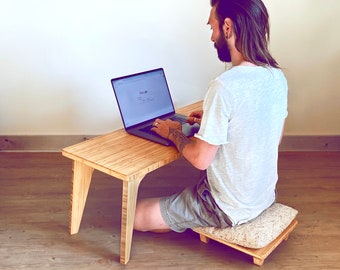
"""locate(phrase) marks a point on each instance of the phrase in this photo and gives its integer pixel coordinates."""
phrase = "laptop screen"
(142, 96)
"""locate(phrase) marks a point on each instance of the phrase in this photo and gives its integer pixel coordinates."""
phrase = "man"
(240, 130)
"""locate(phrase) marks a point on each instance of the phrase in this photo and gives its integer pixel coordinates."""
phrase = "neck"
(239, 61)
(236, 57)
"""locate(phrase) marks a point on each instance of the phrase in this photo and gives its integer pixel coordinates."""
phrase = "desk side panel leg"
(81, 180)
(129, 200)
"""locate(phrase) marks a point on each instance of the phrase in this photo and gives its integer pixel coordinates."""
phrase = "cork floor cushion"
(275, 223)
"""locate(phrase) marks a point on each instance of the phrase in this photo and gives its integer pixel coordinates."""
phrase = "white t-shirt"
(244, 112)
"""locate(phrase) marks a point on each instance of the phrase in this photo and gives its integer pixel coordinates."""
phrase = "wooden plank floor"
(34, 211)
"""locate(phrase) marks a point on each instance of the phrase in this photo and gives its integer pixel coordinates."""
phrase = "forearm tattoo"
(178, 138)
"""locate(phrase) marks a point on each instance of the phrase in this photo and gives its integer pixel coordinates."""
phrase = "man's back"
(244, 112)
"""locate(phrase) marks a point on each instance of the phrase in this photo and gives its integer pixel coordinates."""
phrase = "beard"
(222, 49)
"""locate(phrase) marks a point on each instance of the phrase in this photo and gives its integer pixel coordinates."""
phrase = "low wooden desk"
(122, 156)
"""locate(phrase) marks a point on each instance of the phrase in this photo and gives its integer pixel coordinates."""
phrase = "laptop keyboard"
(178, 119)
(147, 129)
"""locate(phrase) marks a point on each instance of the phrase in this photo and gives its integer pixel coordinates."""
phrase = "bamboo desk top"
(125, 156)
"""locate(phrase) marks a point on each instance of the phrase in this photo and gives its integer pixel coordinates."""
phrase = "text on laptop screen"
(142, 97)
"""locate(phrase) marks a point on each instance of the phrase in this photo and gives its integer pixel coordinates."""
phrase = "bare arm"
(199, 153)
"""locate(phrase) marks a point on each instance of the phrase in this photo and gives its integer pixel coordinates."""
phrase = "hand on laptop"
(195, 117)
(162, 127)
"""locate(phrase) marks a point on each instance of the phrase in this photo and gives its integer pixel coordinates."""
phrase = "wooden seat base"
(259, 255)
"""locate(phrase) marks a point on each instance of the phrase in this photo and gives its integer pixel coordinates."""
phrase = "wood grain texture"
(79, 193)
(34, 210)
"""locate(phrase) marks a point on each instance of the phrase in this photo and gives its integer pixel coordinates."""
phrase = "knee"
(148, 216)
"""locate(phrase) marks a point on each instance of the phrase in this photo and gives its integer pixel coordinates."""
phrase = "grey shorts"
(193, 207)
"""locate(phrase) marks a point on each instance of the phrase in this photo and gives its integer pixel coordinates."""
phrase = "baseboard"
(55, 143)
(40, 143)
(310, 143)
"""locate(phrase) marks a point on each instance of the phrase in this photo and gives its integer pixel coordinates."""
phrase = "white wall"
(57, 59)
(305, 40)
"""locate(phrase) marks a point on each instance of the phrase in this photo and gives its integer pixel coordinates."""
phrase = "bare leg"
(148, 216)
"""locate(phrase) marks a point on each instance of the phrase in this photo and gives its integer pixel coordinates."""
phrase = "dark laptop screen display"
(142, 96)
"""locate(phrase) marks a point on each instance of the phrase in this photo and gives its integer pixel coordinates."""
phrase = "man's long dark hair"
(251, 27)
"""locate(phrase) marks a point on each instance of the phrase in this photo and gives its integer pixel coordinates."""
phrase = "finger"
(191, 120)
(195, 114)
(157, 122)
(155, 129)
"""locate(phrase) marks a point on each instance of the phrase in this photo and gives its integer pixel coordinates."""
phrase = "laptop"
(142, 98)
